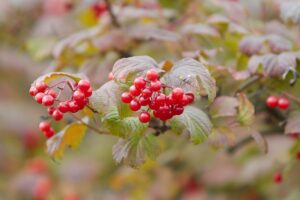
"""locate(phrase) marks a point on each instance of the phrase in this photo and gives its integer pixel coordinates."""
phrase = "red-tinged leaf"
(260, 140)
(290, 11)
(278, 43)
(251, 45)
(222, 137)
(200, 29)
(224, 106)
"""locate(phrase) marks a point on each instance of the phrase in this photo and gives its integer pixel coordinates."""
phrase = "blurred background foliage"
(38, 36)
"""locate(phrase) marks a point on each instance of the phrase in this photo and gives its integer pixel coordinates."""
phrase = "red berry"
(154, 105)
(49, 133)
(170, 100)
(283, 103)
(277, 178)
(39, 97)
(57, 115)
(134, 105)
(78, 96)
(98, 9)
(88, 93)
(41, 86)
(152, 75)
(33, 91)
(84, 85)
(126, 97)
(110, 76)
(144, 117)
(134, 91)
(272, 102)
(47, 100)
(177, 93)
(42, 188)
(63, 107)
(178, 110)
(190, 97)
(52, 93)
(144, 101)
(73, 106)
(51, 110)
(294, 135)
(146, 93)
(161, 99)
(184, 100)
(155, 86)
(44, 126)
(140, 83)
(298, 155)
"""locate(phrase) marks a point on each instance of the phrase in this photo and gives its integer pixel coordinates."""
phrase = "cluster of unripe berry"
(150, 94)
(273, 102)
(49, 97)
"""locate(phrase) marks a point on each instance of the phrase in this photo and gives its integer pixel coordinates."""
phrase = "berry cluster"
(99, 9)
(273, 102)
(150, 92)
(47, 96)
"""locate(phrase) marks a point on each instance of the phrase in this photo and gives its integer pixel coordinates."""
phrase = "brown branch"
(248, 83)
(112, 15)
(292, 97)
(87, 125)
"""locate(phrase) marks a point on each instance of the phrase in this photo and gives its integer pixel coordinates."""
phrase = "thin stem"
(248, 83)
(92, 109)
(112, 15)
(292, 97)
(87, 125)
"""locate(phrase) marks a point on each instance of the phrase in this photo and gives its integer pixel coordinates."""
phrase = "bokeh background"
(29, 29)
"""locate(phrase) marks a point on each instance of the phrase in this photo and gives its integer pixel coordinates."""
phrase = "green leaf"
(195, 121)
(70, 136)
(192, 75)
(136, 149)
(245, 110)
(122, 126)
(126, 69)
(106, 97)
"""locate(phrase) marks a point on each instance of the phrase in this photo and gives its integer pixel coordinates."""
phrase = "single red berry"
(140, 83)
(41, 86)
(298, 155)
(283, 103)
(144, 117)
(39, 97)
(155, 86)
(126, 97)
(52, 93)
(161, 99)
(170, 100)
(49, 133)
(146, 93)
(144, 101)
(51, 110)
(134, 105)
(177, 93)
(98, 9)
(44, 126)
(84, 85)
(134, 91)
(33, 91)
(272, 102)
(184, 100)
(190, 97)
(88, 93)
(57, 115)
(63, 107)
(154, 105)
(178, 110)
(47, 100)
(152, 75)
(156, 113)
(83, 103)
(78, 96)
(110, 76)
(277, 178)
(73, 106)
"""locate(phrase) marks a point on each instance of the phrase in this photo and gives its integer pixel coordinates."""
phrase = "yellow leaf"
(88, 18)
(55, 75)
(167, 65)
(70, 136)
(245, 110)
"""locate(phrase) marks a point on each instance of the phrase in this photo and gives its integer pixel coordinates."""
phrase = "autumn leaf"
(245, 110)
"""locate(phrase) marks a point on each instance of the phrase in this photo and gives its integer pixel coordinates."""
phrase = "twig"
(248, 83)
(87, 125)
(112, 15)
(292, 97)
